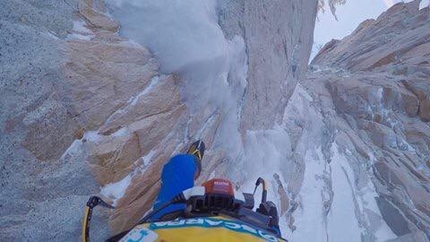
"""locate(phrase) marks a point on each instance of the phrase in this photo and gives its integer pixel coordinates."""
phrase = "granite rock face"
(397, 39)
(37, 125)
(64, 72)
(86, 108)
(277, 45)
(378, 79)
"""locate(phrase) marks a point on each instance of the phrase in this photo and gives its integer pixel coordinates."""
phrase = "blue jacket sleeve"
(177, 176)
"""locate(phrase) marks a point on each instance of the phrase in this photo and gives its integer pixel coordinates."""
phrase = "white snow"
(165, 25)
(122, 132)
(73, 149)
(80, 31)
(350, 202)
(146, 160)
(368, 194)
(133, 100)
(116, 190)
(78, 26)
(266, 148)
(265, 154)
(186, 38)
(309, 217)
(342, 221)
(424, 4)
(79, 36)
(92, 136)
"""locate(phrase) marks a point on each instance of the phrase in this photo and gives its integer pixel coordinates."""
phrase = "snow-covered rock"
(378, 78)
(92, 108)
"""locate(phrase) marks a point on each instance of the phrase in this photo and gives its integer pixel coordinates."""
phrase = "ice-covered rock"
(378, 78)
(277, 45)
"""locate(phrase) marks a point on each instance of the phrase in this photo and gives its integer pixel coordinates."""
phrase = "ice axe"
(264, 194)
(92, 203)
(267, 207)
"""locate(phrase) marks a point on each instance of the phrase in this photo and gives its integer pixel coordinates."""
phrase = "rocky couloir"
(85, 107)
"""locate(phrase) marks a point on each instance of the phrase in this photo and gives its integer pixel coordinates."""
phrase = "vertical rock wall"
(64, 71)
(278, 43)
(40, 197)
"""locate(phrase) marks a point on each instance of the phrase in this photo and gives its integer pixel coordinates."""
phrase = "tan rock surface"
(104, 76)
(94, 12)
(162, 96)
(100, 76)
(95, 105)
(379, 80)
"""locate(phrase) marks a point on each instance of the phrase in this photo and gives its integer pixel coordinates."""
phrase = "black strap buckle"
(95, 201)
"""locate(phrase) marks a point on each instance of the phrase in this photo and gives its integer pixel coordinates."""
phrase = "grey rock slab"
(49, 16)
(278, 43)
(393, 217)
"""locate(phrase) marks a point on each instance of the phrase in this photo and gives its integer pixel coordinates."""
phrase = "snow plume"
(179, 33)
(187, 40)
(298, 156)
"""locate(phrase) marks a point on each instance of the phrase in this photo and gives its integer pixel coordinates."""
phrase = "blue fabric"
(177, 176)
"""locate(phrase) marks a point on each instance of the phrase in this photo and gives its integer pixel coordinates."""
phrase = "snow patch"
(79, 36)
(424, 4)
(146, 160)
(92, 136)
(116, 190)
(266, 148)
(309, 216)
(212, 175)
(80, 31)
(342, 221)
(73, 149)
(122, 132)
(79, 27)
(353, 203)
(133, 101)
(381, 230)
